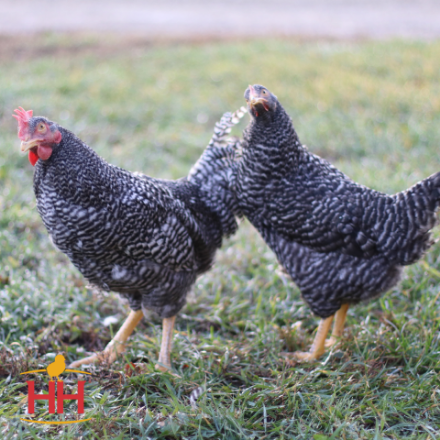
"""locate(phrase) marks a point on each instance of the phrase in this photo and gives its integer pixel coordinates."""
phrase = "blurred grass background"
(372, 108)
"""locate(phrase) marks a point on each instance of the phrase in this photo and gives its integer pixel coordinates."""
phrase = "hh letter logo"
(54, 370)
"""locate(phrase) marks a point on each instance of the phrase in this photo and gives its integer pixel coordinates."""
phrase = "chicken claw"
(117, 345)
(305, 356)
(318, 347)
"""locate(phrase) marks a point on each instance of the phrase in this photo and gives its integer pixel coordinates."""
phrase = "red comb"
(22, 114)
(23, 118)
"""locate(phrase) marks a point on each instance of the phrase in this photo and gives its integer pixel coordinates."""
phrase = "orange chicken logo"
(56, 368)
(55, 393)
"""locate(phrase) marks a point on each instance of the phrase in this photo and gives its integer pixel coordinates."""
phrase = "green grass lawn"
(373, 109)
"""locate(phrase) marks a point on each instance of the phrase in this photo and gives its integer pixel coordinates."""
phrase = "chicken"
(57, 367)
(145, 238)
(341, 242)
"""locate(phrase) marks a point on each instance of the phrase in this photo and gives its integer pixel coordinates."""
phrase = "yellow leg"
(317, 349)
(167, 342)
(338, 326)
(116, 345)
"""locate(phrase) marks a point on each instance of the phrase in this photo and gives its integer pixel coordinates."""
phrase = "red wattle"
(44, 152)
(33, 158)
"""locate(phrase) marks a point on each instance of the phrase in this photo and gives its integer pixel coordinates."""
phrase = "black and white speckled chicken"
(145, 238)
(341, 242)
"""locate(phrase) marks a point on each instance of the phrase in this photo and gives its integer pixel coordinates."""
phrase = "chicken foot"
(116, 345)
(164, 363)
(338, 326)
(318, 347)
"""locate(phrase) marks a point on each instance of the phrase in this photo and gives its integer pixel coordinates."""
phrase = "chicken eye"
(264, 92)
(41, 128)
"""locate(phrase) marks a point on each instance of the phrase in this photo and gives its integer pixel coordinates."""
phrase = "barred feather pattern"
(328, 280)
(195, 395)
(147, 239)
(340, 241)
(213, 172)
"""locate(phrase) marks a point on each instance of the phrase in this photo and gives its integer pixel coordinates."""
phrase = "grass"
(373, 109)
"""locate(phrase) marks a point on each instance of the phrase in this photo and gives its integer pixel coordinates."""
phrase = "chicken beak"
(257, 101)
(26, 146)
(254, 99)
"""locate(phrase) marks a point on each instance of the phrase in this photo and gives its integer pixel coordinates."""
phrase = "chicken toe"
(117, 345)
(318, 347)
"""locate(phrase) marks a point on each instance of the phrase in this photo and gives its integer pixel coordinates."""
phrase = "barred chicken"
(147, 239)
(341, 242)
